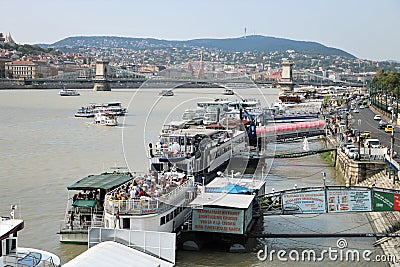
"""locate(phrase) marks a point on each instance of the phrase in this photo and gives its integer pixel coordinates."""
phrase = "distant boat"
(228, 92)
(68, 92)
(85, 112)
(166, 92)
(105, 118)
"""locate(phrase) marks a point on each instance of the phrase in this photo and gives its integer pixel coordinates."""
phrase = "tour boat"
(11, 255)
(228, 92)
(85, 112)
(198, 151)
(85, 204)
(166, 92)
(105, 118)
(115, 108)
(150, 202)
(68, 92)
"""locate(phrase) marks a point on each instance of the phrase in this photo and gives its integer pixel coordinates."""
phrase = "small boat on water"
(106, 119)
(166, 92)
(85, 204)
(228, 92)
(11, 255)
(68, 92)
(85, 112)
(110, 107)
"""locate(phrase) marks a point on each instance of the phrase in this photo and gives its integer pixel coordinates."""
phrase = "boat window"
(126, 223)
(162, 220)
(1, 248)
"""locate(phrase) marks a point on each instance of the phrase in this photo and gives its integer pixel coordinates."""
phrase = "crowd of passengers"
(149, 186)
(87, 195)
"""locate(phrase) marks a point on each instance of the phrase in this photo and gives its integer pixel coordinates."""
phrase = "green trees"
(388, 81)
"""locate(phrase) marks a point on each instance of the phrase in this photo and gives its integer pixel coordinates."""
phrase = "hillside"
(250, 43)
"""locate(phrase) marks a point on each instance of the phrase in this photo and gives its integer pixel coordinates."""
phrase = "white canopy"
(111, 253)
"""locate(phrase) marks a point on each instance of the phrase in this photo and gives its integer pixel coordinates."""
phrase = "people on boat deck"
(87, 195)
(149, 186)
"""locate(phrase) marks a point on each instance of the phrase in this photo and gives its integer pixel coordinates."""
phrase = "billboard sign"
(349, 200)
(304, 202)
(384, 201)
(218, 220)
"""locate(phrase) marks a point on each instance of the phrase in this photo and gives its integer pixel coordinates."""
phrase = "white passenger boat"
(166, 92)
(151, 202)
(85, 204)
(114, 107)
(199, 151)
(11, 255)
(85, 112)
(105, 118)
(68, 92)
(228, 92)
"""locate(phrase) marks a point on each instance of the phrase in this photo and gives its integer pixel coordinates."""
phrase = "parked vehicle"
(374, 143)
(377, 117)
(343, 147)
(354, 153)
(347, 149)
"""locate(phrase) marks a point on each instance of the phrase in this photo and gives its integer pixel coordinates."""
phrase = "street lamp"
(392, 133)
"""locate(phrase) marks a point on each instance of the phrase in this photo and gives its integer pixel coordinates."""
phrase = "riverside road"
(364, 121)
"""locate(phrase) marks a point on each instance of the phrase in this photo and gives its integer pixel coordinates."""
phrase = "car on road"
(367, 134)
(389, 128)
(377, 117)
(362, 107)
(354, 153)
(373, 143)
(348, 148)
(382, 124)
(356, 110)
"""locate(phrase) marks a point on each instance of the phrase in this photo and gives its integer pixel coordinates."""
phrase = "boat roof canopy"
(84, 203)
(105, 181)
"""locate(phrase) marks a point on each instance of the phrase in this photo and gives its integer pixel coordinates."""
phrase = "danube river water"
(44, 148)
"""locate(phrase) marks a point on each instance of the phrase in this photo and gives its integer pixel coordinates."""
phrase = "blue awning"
(233, 189)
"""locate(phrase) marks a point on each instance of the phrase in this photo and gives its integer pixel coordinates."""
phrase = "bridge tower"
(101, 82)
(286, 82)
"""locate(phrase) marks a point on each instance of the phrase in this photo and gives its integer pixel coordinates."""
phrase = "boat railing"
(80, 224)
(148, 205)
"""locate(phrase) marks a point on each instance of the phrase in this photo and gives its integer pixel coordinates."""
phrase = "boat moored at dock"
(150, 202)
(85, 204)
(14, 256)
(201, 152)
(224, 213)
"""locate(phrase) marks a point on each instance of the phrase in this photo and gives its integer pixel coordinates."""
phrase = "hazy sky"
(368, 29)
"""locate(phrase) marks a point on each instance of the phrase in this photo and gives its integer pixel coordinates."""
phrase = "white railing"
(149, 206)
(158, 244)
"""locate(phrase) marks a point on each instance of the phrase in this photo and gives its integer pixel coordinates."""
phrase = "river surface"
(44, 148)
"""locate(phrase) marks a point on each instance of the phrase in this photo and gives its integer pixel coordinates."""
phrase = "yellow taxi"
(389, 128)
(367, 134)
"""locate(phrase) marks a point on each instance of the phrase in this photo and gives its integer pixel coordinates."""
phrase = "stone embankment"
(385, 222)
